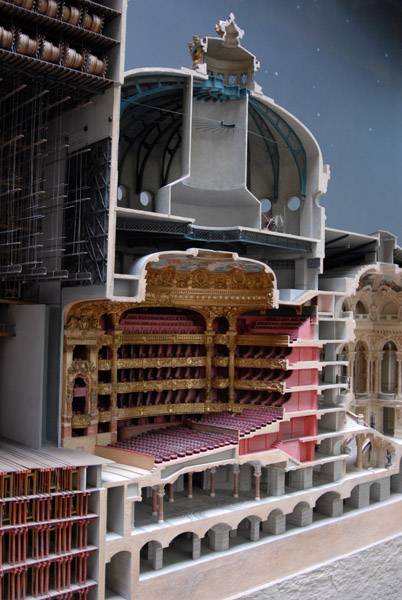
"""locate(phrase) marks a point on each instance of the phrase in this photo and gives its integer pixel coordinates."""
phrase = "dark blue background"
(335, 64)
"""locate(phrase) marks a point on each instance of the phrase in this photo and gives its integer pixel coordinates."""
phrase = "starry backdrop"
(335, 64)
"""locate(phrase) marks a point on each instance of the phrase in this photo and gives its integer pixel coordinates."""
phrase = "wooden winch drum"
(26, 45)
(92, 22)
(47, 7)
(70, 14)
(6, 38)
(73, 59)
(50, 52)
(95, 66)
(24, 3)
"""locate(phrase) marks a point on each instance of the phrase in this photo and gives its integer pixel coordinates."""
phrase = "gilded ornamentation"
(85, 323)
(104, 365)
(269, 386)
(78, 421)
(144, 363)
(197, 51)
(220, 291)
(262, 363)
(262, 340)
(159, 386)
(219, 383)
(220, 361)
(81, 366)
(105, 388)
(148, 411)
(105, 417)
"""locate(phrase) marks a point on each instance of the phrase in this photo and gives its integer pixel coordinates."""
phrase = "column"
(257, 476)
(161, 493)
(189, 485)
(209, 336)
(254, 530)
(350, 369)
(276, 481)
(360, 496)
(196, 549)
(236, 473)
(155, 556)
(212, 486)
(171, 492)
(360, 437)
(301, 479)
(219, 538)
(154, 501)
(231, 342)
(399, 372)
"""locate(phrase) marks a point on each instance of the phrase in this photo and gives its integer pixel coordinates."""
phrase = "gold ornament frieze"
(159, 386)
(219, 383)
(166, 409)
(81, 366)
(262, 363)
(78, 421)
(104, 365)
(268, 386)
(203, 278)
(220, 361)
(105, 388)
(262, 340)
(144, 363)
(105, 417)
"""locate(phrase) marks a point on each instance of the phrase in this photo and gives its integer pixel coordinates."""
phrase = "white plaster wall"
(23, 366)
(371, 574)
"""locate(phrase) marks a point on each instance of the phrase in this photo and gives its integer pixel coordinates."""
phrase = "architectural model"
(183, 341)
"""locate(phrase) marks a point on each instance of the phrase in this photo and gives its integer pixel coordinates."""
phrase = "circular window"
(294, 203)
(266, 205)
(145, 199)
(121, 193)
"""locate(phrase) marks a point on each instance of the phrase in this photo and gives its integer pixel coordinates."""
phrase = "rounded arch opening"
(360, 308)
(389, 368)
(360, 377)
(118, 575)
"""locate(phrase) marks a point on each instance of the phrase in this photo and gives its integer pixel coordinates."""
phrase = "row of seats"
(154, 398)
(261, 398)
(263, 374)
(175, 442)
(160, 350)
(153, 374)
(249, 420)
(266, 352)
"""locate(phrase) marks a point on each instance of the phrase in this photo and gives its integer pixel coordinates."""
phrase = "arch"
(80, 405)
(218, 537)
(301, 516)
(329, 504)
(249, 528)
(390, 308)
(360, 378)
(184, 546)
(118, 574)
(360, 308)
(151, 556)
(389, 368)
(275, 523)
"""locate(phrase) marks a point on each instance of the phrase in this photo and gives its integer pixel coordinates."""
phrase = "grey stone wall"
(368, 575)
